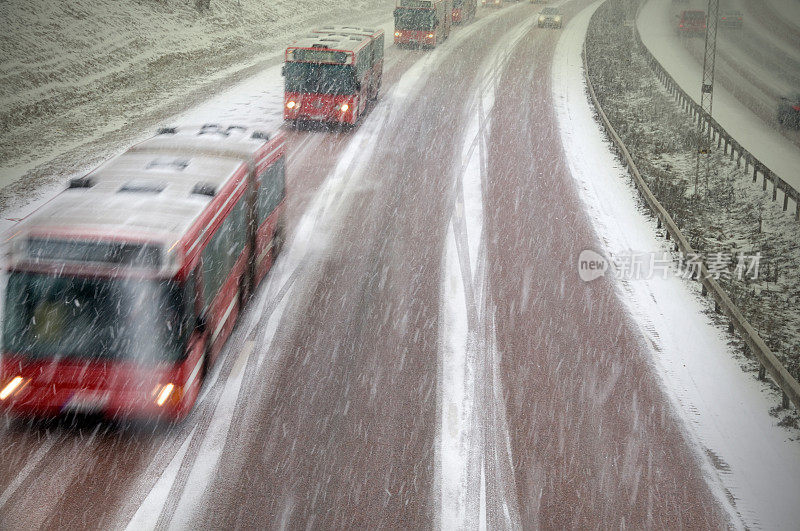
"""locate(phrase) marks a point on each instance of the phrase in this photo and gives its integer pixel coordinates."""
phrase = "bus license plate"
(87, 402)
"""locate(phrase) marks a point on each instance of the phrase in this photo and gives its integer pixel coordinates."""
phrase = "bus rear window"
(52, 317)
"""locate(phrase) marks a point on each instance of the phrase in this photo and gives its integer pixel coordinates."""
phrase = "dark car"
(789, 111)
(731, 19)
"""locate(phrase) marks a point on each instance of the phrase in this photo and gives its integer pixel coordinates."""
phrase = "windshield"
(694, 15)
(318, 78)
(94, 318)
(414, 19)
(549, 11)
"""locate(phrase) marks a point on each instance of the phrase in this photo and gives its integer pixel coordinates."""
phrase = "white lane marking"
(152, 506)
(213, 443)
(26, 470)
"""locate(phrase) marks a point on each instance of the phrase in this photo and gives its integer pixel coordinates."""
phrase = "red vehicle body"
(332, 74)
(123, 289)
(422, 22)
(691, 23)
(464, 10)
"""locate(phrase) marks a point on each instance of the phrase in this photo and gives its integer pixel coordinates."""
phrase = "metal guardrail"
(722, 302)
(710, 127)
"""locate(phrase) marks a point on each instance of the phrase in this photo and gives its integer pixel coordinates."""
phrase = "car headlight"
(343, 107)
(291, 104)
(558, 19)
(396, 33)
(541, 19)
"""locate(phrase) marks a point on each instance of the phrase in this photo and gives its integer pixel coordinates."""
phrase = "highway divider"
(769, 363)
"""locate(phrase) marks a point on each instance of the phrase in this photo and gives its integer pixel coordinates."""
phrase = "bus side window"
(221, 253)
(378, 44)
(361, 65)
(190, 300)
(271, 189)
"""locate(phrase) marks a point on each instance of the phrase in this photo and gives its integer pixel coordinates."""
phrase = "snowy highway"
(424, 353)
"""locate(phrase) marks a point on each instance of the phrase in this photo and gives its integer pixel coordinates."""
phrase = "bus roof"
(350, 30)
(333, 41)
(418, 4)
(156, 190)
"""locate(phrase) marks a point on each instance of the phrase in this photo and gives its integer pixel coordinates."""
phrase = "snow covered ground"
(759, 137)
(754, 463)
(82, 80)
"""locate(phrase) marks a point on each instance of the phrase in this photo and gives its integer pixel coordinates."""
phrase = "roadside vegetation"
(728, 218)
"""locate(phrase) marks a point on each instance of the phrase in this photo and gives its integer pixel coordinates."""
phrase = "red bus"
(422, 22)
(464, 10)
(123, 289)
(332, 74)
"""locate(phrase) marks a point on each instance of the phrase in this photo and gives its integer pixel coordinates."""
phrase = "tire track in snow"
(306, 248)
(475, 464)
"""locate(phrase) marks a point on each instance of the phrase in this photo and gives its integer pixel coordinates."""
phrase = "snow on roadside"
(748, 459)
(81, 80)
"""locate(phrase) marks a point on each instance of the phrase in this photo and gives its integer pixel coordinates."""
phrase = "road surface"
(447, 223)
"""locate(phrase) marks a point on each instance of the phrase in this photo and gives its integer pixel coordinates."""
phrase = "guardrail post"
(774, 186)
(785, 201)
(762, 372)
(796, 210)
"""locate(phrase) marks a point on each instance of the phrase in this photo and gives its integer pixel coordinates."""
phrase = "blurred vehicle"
(423, 23)
(464, 10)
(731, 19)
(549, 17)
(492, 3)
(332, 74)
(539, 1)
(789, 111)
(691, 23)
(123, 289)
